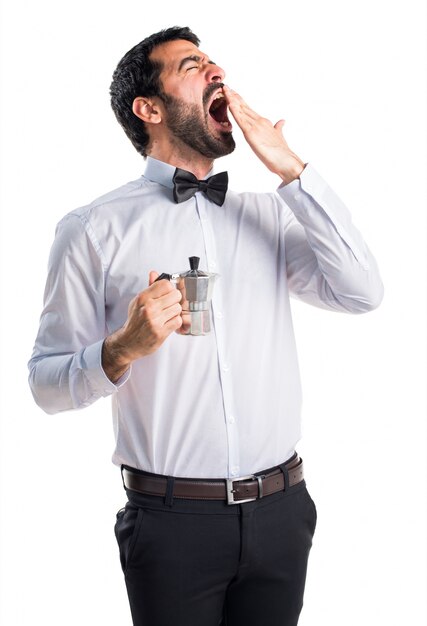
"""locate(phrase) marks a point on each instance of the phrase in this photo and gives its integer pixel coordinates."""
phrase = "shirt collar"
(161, 172)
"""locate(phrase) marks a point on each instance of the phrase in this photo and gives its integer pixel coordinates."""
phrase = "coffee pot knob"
(194, 262)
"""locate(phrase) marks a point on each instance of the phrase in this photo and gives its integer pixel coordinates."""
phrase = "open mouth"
(218, 110)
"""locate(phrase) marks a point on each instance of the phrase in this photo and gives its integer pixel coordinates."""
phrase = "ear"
(147, 110)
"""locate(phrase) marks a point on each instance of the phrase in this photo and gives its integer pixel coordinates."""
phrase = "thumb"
(279, 125)
(152, 277)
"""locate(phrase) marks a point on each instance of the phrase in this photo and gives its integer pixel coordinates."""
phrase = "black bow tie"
(186, 185)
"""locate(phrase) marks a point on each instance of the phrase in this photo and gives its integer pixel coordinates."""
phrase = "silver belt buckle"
(230, 490)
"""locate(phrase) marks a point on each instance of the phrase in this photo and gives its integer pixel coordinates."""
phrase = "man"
(218, 523)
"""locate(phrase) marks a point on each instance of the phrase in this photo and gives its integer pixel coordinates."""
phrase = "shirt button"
(212, 265)
(231, 419)
(219, 315)
(235, 470)
(226, 367)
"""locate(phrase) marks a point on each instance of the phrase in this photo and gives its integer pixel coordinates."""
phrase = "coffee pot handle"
(162, 276)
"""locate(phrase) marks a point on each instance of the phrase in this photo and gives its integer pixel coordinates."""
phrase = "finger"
(152, 277)
(154, 315)
(168, 299)
(279, 125)
(173, 324)
(242, 112)
(238, 105)
(232, 96)
(153, 308)
(186, 322)
(170, 312)
(157, 289)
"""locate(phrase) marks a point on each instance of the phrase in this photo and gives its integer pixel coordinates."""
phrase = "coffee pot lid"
(194, 271)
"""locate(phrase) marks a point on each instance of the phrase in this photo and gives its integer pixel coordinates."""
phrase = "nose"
(214, 73)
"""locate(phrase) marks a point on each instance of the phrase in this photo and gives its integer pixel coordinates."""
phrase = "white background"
(349, 78)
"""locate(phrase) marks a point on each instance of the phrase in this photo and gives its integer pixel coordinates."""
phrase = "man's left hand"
(266, 140)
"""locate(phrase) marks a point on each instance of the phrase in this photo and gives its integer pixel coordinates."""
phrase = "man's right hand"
(152, 316)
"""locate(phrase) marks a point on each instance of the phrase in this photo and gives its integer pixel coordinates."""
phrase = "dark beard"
(186, 123)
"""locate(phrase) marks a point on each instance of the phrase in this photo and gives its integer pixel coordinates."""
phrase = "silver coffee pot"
(196, 287)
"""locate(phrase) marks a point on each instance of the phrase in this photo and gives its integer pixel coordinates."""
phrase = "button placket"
(224, 364)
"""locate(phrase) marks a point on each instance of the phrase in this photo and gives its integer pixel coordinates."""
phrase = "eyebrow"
(192, 57)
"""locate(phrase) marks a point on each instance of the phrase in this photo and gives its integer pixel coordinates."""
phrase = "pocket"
(119, 516)
(312, 508)
(127, 529)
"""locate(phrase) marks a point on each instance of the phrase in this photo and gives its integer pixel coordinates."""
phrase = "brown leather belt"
(233, 490)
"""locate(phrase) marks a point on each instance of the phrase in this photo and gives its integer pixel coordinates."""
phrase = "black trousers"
(207, 563)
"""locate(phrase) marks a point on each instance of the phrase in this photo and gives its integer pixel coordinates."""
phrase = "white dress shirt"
(228, 403)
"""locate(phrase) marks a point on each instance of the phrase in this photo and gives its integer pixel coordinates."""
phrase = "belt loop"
(169, 491)
(285, 474)
(121, 472)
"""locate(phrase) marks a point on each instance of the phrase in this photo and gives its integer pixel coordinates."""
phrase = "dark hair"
(137, 75)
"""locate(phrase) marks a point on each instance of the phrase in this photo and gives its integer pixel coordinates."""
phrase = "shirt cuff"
(98, 380)
(306, 194)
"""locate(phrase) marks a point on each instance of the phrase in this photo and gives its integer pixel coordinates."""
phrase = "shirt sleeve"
(328, 263)
(65, 367)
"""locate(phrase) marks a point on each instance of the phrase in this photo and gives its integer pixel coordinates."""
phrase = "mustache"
(210, 89)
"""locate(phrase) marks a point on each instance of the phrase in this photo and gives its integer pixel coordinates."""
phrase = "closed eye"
(194, 58)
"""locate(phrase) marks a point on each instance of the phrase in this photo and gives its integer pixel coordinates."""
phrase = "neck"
(182, 156)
